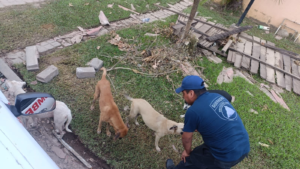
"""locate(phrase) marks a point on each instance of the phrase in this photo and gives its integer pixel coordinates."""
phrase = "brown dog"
(109, 111)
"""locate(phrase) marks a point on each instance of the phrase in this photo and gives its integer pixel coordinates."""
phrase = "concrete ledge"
(7, 72)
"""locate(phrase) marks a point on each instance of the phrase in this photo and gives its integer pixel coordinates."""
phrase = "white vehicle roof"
(18, 149)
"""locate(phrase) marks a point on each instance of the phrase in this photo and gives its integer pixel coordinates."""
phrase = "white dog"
(14, 87)
(155, 121)
(61, 114)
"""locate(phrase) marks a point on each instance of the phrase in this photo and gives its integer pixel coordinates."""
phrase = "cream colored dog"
(155, 121)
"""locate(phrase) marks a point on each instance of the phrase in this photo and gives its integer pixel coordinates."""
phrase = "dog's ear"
(174, 128)
(117, 136)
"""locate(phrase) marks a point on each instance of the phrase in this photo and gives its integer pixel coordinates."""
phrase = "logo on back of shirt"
(223, 109)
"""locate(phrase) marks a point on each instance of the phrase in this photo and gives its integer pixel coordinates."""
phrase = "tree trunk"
(191, 18)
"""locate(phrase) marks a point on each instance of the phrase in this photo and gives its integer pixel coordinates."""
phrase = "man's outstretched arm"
(187, 138)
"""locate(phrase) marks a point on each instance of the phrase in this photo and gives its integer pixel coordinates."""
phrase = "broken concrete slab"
(266, 91)
(103, 19)
(48, 74)
(7, 72)
(85, 72)
(280, 100)
(226, 75)
(32, 56)
(240, 74)
(15, 57)
(95, 63)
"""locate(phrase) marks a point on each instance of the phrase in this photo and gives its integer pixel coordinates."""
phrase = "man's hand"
(187, 144)
(183, 155)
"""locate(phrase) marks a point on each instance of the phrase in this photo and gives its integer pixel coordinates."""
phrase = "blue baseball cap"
(191, 82)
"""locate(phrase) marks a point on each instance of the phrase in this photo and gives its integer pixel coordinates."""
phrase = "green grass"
(22, 26)
(137, 149)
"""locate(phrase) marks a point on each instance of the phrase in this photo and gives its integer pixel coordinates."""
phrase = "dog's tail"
(69, 119)
(104, 72)
(128, 97)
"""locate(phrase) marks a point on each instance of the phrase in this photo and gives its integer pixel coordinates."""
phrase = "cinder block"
(32, 56)
(85, 72)
(48, 74)
(95, 63)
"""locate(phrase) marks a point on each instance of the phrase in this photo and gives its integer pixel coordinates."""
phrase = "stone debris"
(225, 76)
(32, 56)
(102, 18)
(240, 74)
(85, 72)
(267, 92)
(95, 63)
(48, 74)
(102, 32)
(15, 57)
(47, 45)
(280, 100)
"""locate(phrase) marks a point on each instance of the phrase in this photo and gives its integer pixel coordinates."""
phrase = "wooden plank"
(279, 75)
(218, 31)
(263, 50)
(287, 68)
(270, 58)
(267, 64)
(204, 28)
(229, 56)
(247, 50)
(238, 57)
(255, 54)
(296, 82)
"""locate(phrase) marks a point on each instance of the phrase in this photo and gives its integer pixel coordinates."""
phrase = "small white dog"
(14, 87)
(155, 121)
(61, 114)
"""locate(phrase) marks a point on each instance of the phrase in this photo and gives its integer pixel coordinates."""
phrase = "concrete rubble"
(32, 56)
(95, 63)
(48, 74)
(225, 76)
(85, 72)
(15, 57)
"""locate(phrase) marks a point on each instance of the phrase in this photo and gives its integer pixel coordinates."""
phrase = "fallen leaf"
(86, 4)
(271, 142)
(265, 107)
(263, 144)
(98, 47)
(154, 66)
(70, 4)
(297, 62)
(110, 5)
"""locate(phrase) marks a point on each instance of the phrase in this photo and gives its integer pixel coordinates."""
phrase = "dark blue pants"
(201, 158)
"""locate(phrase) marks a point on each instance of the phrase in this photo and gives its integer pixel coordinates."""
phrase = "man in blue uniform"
(226, 141)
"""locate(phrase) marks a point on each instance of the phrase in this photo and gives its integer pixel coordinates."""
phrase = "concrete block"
(48, 74)
(95, 63)
(85, 72)
(32, 56)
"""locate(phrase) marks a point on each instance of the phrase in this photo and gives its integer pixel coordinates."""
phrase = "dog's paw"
(108, 133)
(92, 107)
(157, 149)
(98, 131)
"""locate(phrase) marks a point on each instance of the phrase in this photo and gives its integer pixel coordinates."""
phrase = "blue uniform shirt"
(220, 126)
